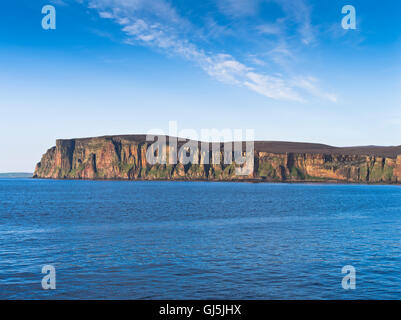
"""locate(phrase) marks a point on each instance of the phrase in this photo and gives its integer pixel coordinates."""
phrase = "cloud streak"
(157, 24)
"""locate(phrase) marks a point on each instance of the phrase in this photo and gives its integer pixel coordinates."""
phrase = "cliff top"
(278, 146)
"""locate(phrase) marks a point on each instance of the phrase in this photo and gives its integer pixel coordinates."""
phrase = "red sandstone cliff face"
(397, 169)
(124, 157)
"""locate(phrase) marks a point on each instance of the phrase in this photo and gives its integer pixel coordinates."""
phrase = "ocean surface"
(198, 240)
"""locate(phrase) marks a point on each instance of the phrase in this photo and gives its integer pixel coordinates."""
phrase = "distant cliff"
(124, 157)
(15, 175)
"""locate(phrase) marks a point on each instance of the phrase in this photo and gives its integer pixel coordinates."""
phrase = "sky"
(285, 68)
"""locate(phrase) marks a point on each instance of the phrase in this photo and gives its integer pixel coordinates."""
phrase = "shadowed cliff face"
(124, 157)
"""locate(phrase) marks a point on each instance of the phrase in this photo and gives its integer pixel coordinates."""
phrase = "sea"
(198, 240)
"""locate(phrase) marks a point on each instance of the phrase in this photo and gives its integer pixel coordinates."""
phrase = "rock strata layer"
(124, 157)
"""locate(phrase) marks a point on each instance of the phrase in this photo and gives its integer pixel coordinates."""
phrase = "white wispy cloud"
(238, 8)
(310, 84)
(157, 24)
(296, 13)
(300, 12)
(58, 2)
(271, 28)
(105, 14)
(272, 87)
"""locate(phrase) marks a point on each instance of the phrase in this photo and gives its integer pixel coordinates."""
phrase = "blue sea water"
(198, 240)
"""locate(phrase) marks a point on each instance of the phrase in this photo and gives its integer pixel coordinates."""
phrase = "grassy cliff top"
(277, 146)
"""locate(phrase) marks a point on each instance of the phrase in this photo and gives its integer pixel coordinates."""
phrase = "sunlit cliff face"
(119, 158)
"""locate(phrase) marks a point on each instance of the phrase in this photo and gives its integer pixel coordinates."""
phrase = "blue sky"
(285, 68)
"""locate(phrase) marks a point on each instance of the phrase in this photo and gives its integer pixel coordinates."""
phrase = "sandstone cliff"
(124, 157)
